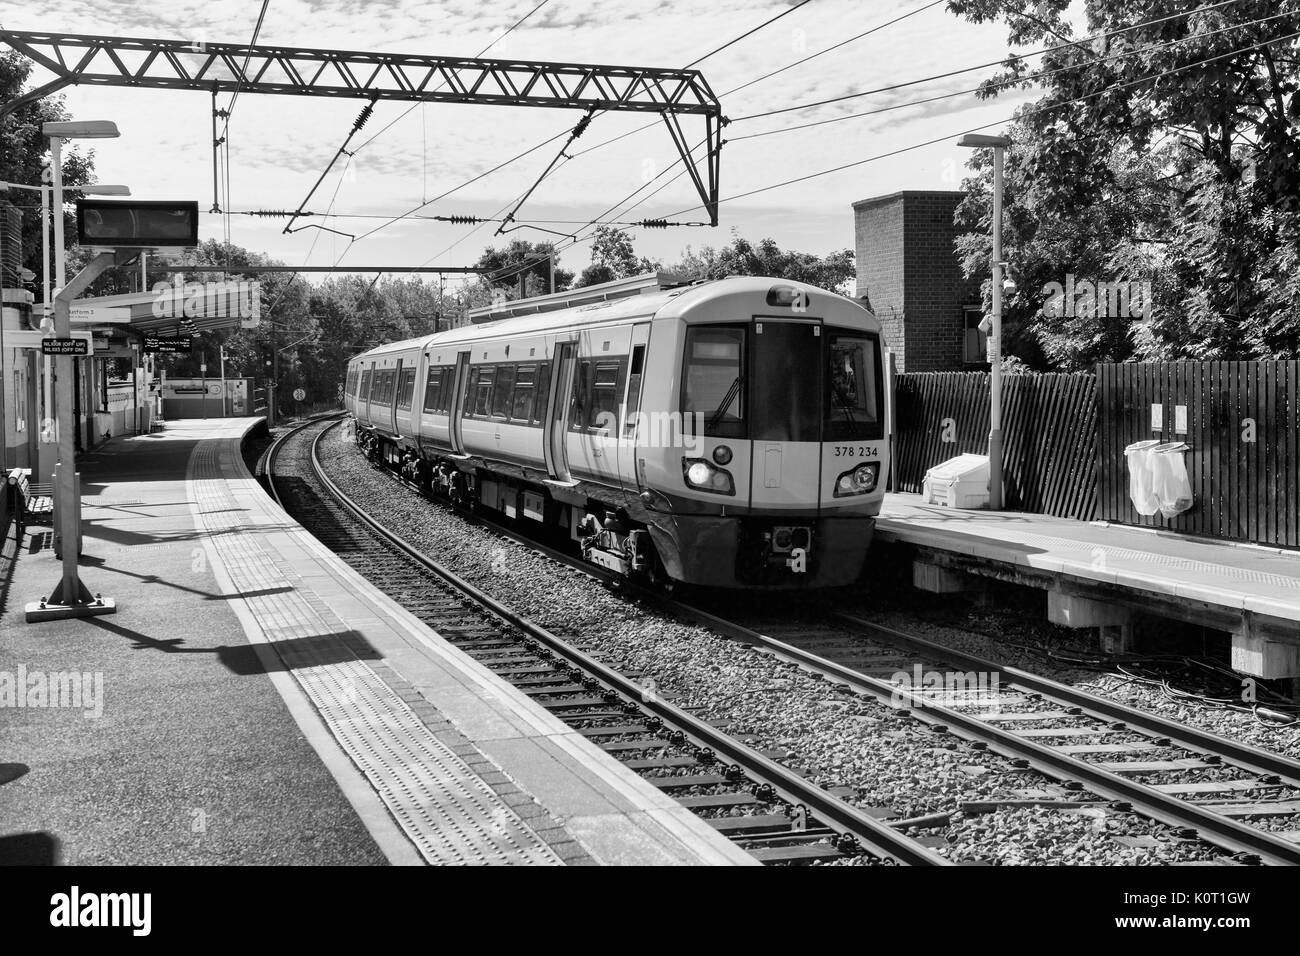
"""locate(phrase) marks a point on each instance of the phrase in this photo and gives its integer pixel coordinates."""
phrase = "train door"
(390, 415)
(599, 380)
(785, 389)
(557, 459)
(629, 437)
(458, 401)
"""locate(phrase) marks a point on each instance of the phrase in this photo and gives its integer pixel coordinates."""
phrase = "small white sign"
(1157, 417)
(1180, 419)
(203, 367)
(299, 394)
(96, 314)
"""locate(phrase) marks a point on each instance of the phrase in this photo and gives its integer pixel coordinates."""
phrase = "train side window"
(406, 388)
(521, 405)
(365, 385)
(471, 390)
(634, 390)
(483, 391)
(605, 395)
(433, 389)
(853, 386)
(501, 391)
(580, 401)
(543, 394)
(448, 388)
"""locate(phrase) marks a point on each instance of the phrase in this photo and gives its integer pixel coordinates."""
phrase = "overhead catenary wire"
(1082, 41)
(1010, 81)
(948, 136)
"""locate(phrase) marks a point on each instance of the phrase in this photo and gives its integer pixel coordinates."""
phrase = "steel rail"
(876, 837)
(1219, 830)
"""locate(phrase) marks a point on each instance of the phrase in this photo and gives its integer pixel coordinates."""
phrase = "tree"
(511, 261)
(612, 257)
(24, 157)
(1167, 155)
(743, 258)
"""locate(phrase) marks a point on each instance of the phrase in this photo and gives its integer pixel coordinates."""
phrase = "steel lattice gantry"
(218, 67)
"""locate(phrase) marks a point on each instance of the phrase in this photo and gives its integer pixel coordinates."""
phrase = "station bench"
(30, 500)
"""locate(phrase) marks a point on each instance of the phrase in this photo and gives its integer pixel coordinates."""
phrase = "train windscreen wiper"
(727, 399)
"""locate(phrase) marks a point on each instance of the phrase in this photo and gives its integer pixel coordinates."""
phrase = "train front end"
(784, 451)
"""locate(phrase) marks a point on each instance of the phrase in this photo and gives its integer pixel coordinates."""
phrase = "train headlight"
(858, 481)
(705, 476)
(722, 455)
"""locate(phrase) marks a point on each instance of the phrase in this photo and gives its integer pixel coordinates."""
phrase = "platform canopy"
(203, 306)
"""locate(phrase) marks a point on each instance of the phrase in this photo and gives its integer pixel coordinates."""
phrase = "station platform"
(255, 701)
(1098, 573)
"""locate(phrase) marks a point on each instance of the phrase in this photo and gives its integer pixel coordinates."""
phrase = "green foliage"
(507, 260)
(24, 157)
(612, 257)
(1189, 181)
(834, 272)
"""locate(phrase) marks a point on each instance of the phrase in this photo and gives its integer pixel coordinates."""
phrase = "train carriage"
(728, 433)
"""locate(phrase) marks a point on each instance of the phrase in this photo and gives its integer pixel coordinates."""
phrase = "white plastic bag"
(1172, 487)
(1140, 488)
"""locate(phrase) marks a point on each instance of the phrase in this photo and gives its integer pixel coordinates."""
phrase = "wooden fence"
(1241, 422)
(1049, 427)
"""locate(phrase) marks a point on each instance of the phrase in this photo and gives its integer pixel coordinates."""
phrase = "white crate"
(961, 482)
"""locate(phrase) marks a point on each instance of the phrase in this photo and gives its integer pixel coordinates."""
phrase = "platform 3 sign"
(65, 347)
(168, 343)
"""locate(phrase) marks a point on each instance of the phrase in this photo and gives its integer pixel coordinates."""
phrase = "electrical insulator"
(653, 224)
(363, 117)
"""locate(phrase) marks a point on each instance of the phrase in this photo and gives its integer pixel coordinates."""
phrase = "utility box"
(961, 482)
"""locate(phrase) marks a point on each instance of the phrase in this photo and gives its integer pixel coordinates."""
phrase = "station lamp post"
(70, 598)
(999, 145)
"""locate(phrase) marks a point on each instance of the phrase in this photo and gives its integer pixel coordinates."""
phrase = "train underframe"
(622, 534)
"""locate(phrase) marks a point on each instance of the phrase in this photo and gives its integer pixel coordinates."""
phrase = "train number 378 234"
(857, 451)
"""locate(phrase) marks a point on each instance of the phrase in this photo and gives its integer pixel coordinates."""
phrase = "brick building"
(909, 274)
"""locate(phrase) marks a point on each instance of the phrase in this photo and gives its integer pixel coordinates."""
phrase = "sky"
(279, 145)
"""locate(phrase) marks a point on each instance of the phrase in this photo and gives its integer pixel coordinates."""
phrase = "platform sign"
(126, 224)
(65, 347)
(168, 343)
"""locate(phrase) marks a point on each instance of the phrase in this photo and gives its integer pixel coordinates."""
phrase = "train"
(723, 434)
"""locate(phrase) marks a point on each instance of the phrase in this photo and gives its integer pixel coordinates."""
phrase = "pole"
(69, 591)
(995, 344)
(271, 399)
(551, 259)
(221, 351)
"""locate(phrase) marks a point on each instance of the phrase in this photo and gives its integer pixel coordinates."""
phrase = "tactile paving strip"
(445, 808)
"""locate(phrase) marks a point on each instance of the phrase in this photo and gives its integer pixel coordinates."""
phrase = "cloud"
(280, 144)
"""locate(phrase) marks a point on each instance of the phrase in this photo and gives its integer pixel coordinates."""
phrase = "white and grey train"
(726, 434)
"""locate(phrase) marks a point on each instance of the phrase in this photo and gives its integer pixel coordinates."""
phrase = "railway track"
(1098, 751)
(766, 808)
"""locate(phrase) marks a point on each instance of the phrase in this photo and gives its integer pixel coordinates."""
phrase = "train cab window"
(433, 389)
(713, 386)
(405, 388)
(785, 381)
(543, 394)
(633, 403)
(853, 387)
(483, 390)
(521, 405)
(505, 380)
